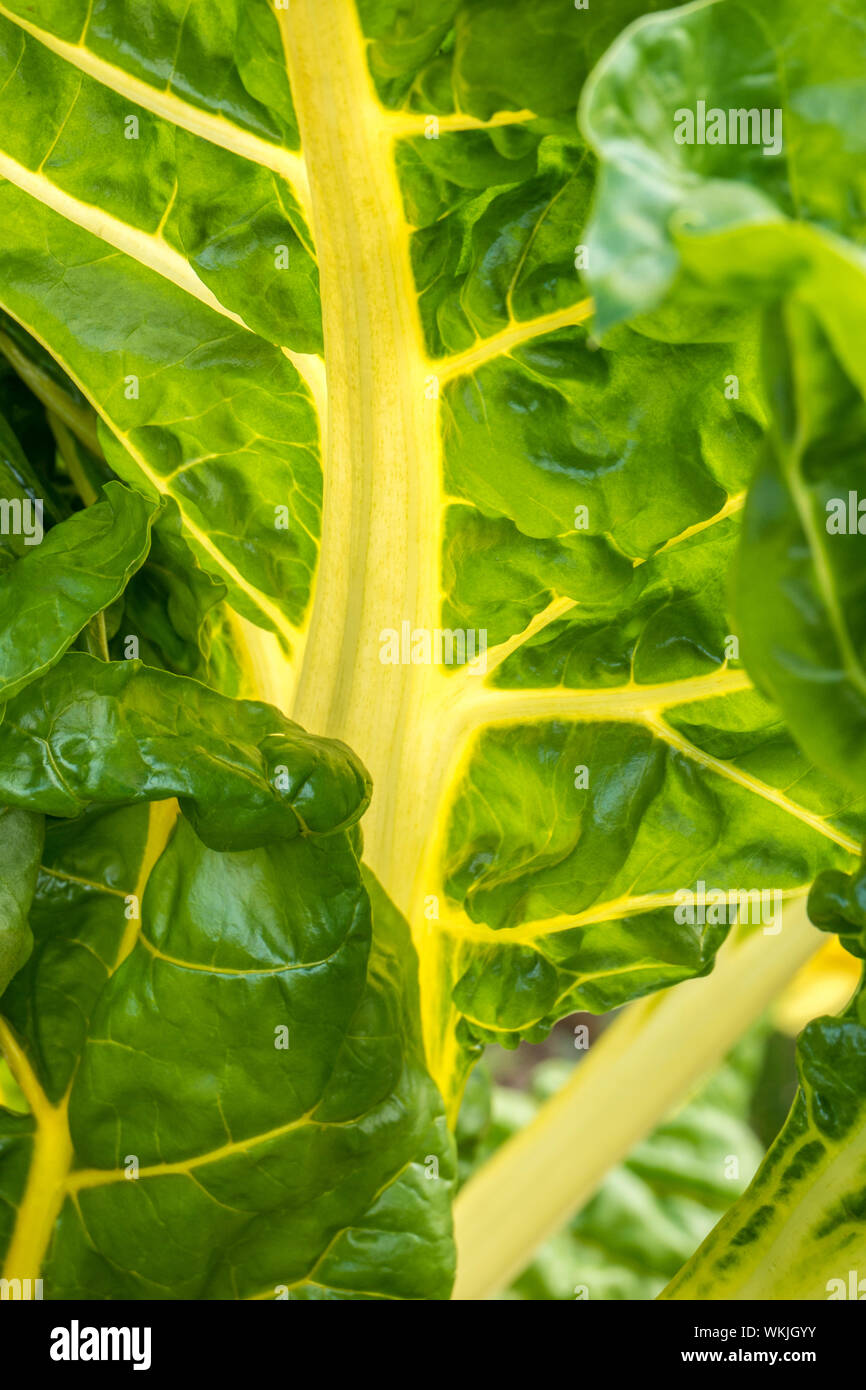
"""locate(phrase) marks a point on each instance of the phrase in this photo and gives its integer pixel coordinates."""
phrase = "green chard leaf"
(800, 575)
(79, 568)
(209, 1063)
(229, 272)
(172, 608)
(762, 227)
(21, 836)
(571, 507)
(753, 230)
(741, 175)
(29, 506)
(193, 404)
(799, 1231)
(175, 610)
(94, 733)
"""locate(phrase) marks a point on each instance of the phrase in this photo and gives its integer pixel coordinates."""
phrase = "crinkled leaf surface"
(177, 611)
(491, 467)
(21, 836)
(202, 1080)
(217, 199)
(728, 234)
(193, 404)
(80, 568)
(97, 733)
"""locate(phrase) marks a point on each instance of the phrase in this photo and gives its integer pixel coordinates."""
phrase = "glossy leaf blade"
(81, 567)
(283, 1150)
(94, 733)
(21, 836)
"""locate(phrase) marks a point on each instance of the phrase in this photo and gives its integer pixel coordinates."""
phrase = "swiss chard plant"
(420, 620)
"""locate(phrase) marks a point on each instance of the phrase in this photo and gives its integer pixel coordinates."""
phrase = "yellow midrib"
(379, 561)
(627, 905)
(770, 794)
(165, 104)
(104, 1177)
(52, 1157)
(491, 705)
(161, 820)
(408, 124)
(148, 248)
(515, 335)
(379, 558)
(151, 250)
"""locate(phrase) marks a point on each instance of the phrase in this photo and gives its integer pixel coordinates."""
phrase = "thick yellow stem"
(379, 555)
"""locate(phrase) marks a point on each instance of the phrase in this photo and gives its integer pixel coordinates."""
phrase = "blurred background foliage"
(654, 1209)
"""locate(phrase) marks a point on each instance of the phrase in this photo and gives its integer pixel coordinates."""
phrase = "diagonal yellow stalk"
(640, 1068)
